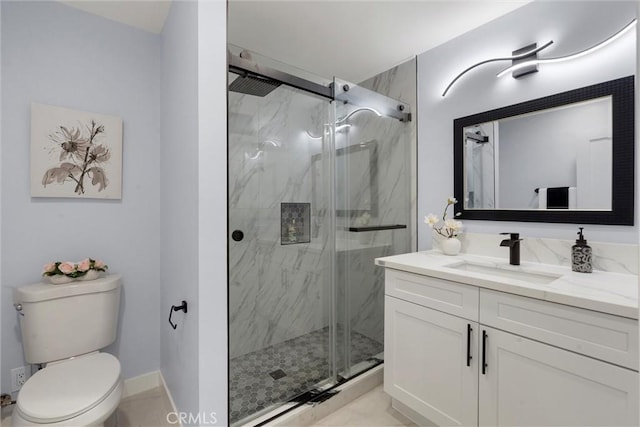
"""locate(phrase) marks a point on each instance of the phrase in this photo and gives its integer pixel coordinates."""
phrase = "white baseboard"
(145, 382)
(142, 383)
(166, 390)
(411, 414)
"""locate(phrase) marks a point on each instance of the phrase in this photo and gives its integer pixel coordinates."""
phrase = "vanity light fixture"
(521, 65)
(534, 50)
(537, 61)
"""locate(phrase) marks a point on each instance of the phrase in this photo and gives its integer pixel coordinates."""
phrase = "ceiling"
(148, 15)
(353, 40)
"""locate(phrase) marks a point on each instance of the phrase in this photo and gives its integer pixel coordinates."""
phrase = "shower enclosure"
(319, 186)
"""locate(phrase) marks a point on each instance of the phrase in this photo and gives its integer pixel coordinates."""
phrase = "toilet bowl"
(64, 327)
(83, 391)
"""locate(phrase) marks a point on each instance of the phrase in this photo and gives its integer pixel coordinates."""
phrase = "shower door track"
(316, 396)
(339, 90)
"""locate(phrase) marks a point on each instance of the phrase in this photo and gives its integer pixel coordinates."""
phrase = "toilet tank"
(61, 321)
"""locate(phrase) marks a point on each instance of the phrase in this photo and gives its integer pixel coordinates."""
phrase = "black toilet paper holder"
(181, 307)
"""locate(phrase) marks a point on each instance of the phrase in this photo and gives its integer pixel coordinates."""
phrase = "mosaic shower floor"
(279, 373)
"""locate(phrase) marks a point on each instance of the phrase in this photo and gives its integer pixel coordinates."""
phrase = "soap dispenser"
(581, 255)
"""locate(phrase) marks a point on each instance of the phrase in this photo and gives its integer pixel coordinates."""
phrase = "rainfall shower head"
(252, 85)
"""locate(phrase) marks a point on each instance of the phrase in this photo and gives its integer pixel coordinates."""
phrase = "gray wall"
(179, 202)
(193, 247)
(564, 22)
(1, 291)
(55, 54)
(212, 220)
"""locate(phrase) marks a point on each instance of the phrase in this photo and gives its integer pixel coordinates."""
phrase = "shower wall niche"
(295, 220)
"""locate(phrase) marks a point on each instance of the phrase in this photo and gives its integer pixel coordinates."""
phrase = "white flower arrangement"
(73, 270)
(449, 228)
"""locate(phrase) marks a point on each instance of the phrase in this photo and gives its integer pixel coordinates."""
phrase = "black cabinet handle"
(469, 330)
(484, 352)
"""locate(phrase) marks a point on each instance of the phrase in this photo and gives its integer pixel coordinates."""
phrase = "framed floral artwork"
(75, 153)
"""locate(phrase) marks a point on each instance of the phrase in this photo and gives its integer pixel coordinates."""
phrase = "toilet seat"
(69, 388)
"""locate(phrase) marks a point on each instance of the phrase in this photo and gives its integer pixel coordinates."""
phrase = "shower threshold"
(305, 414)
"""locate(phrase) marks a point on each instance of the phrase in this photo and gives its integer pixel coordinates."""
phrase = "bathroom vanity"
(472, 340)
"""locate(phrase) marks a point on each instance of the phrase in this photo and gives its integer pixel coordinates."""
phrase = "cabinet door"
(526, 383)
(431, 362)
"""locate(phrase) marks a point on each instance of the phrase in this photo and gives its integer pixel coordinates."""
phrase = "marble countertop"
(612, 293)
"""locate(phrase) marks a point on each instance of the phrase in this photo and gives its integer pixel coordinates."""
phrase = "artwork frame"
(75, 154)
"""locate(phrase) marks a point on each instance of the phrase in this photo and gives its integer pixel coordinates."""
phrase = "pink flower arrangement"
(73, 270)
(67, 268)
(84, 265)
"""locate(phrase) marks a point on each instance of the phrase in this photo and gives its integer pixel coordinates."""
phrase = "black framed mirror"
(564, 158)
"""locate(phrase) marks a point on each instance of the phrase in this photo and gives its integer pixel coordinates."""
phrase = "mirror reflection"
(567, 157)
(557, 158)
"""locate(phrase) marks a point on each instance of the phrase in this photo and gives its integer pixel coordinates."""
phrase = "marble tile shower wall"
(396, 143)
(400, 83)
(276, 292)
(357, 274)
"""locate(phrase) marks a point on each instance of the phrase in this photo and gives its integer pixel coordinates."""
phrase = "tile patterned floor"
(302, 359)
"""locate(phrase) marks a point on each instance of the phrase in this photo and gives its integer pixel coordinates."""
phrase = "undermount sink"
(506, 272)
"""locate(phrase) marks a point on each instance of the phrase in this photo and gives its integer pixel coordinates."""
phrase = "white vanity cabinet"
(426, 362)
(529, 383)
(431, 355)
(456, 354)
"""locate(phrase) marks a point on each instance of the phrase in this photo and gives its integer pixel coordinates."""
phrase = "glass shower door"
(373, 215)
(280, 247)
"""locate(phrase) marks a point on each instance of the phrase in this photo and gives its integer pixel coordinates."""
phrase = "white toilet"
(64, 326)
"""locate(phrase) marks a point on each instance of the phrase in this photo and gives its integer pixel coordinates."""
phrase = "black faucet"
(514, 247)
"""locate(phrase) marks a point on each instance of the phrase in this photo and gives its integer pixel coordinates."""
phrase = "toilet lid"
(66, 389)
